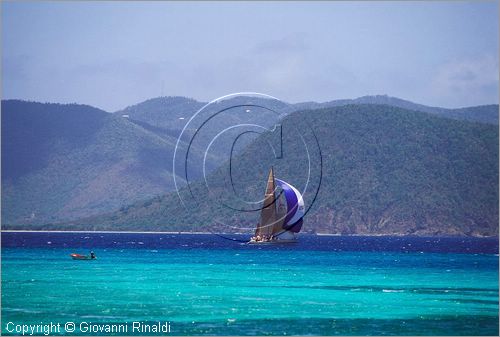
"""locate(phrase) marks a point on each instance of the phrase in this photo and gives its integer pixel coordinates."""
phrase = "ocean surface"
(206, 284)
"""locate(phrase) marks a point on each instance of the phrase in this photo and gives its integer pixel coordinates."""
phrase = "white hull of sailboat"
(272, 242)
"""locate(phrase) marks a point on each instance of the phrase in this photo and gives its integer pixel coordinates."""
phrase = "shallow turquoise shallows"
(254, 291)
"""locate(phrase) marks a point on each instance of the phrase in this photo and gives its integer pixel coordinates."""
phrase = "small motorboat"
(75, 256)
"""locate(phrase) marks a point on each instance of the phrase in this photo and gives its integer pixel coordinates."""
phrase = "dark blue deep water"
(404, 244)
(204, 284)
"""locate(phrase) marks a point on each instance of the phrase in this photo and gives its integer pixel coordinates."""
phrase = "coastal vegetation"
(384, 170)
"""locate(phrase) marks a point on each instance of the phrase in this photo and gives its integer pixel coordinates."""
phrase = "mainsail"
(277, 215)
(268, 216)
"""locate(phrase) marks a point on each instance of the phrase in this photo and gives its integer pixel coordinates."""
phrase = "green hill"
(386, 170)
(164, 115)
(168, 115)
(67, 161)
(64, 162)
(61, 162)
(482, 113)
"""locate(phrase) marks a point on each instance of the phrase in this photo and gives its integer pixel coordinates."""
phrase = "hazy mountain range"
(387, 169)
(165, 112)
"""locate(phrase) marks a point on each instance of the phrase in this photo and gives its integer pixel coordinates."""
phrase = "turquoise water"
(235, 290)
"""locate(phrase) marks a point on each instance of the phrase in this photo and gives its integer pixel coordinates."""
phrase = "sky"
(114, 54)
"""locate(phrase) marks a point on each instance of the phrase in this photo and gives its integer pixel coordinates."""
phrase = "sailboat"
(281, 214)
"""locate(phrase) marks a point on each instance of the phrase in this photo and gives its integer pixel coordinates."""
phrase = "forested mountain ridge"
(171, 113)
(386, 170)
(64, 161)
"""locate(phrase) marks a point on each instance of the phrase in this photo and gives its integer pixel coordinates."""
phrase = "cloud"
(467, 81)
(292, 43)
(16, 68)
(107, 84)
(285, 67)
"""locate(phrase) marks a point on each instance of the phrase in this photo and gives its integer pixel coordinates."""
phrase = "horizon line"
(202, 101)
